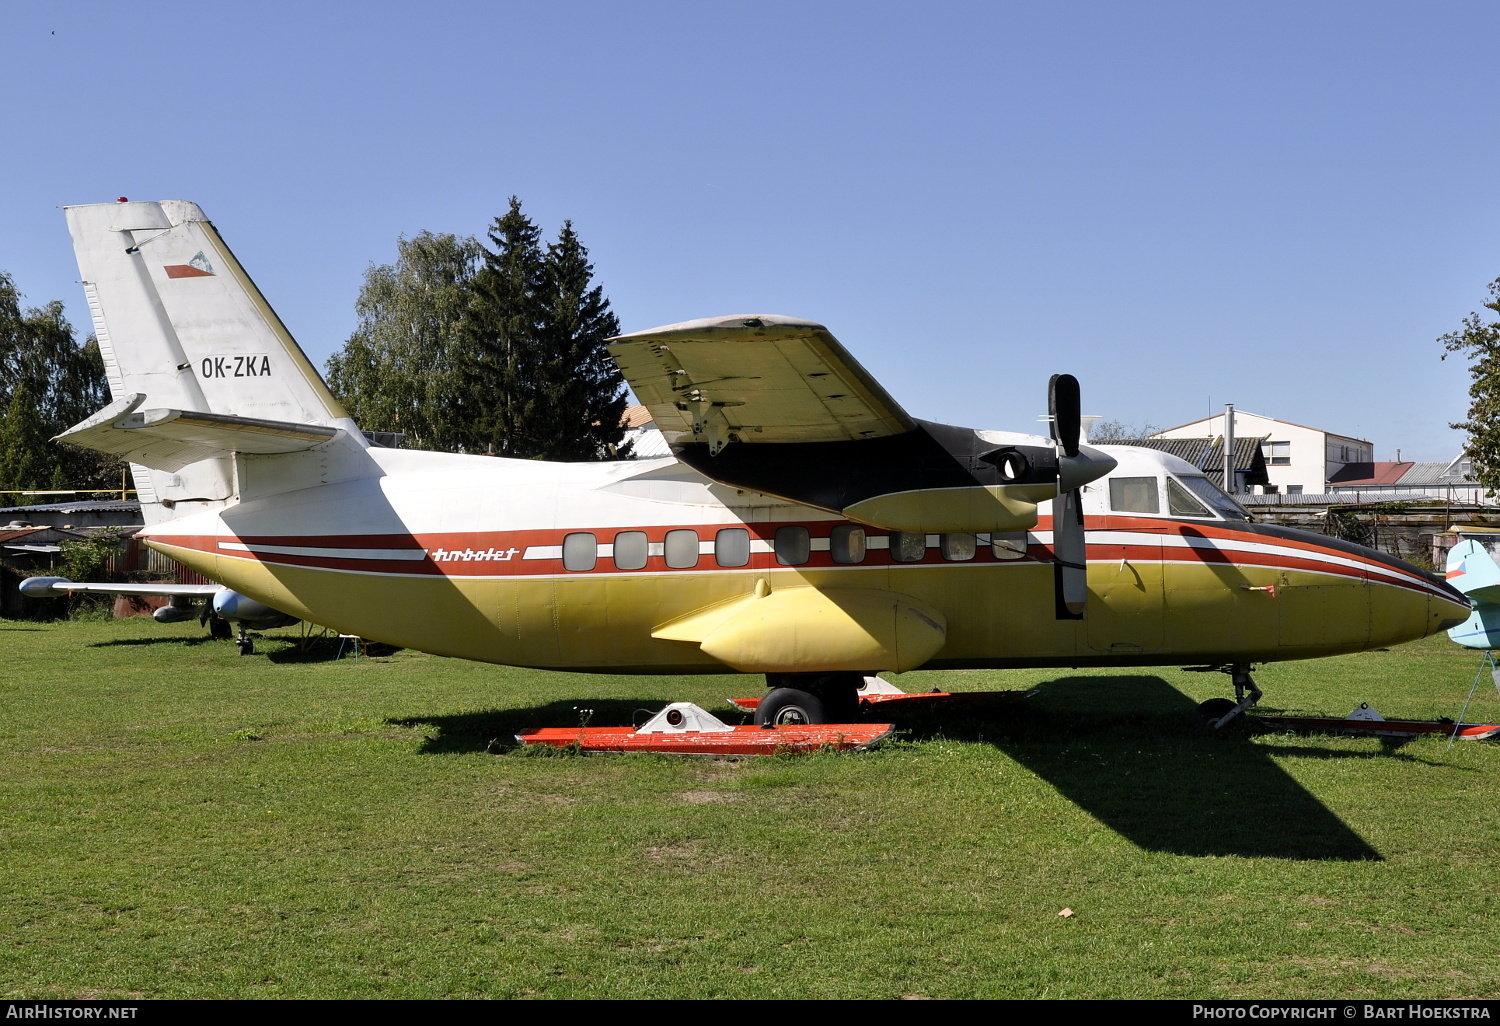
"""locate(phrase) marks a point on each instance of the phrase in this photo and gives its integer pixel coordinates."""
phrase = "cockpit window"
(1206, 490)
(1134, 495)
(1181, 502)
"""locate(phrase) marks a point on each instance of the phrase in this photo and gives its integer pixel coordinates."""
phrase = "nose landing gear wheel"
(790, 706)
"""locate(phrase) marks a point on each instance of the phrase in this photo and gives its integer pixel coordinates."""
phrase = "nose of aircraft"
(1410, 603)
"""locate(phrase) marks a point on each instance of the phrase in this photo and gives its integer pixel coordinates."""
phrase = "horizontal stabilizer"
(171, 439)
(43, 587)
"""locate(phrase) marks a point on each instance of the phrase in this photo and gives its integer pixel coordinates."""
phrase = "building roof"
(1207, 454)
(1274, 420)
(88, 506)
(1352, 475)
(1437, 474)
(635, 416)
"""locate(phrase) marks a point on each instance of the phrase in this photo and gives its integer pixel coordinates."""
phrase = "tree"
(582, 396)
(400, 370)
(49, 383)
(1105, 432)
(499, 393)
(496, 349)
(1480, 341)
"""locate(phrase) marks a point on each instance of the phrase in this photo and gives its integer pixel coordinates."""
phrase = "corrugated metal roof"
(1354, 474)
(1427, 473)
(91, 505)
(647, 443)
(1207, 454)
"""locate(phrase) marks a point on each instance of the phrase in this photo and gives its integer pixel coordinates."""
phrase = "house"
(1298, 458)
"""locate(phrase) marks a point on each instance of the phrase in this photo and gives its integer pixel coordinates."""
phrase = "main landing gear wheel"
(820, 697)
(1217, 713)
(1211, 712)
(790, 707)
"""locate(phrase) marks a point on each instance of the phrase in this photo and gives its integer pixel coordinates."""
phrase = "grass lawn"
(179, 821)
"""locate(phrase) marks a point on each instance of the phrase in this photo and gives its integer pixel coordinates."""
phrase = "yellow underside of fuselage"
(998, 614)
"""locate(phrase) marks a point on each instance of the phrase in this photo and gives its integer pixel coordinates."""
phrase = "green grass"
(178, 821)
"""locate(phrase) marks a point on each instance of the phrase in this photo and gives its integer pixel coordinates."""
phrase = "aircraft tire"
(788, 706)
(246, 647)
(1213, 709)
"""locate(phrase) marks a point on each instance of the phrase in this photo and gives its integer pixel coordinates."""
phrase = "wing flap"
(755, 379)
(171, 439)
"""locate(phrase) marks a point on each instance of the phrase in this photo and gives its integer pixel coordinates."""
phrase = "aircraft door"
(1126, 610)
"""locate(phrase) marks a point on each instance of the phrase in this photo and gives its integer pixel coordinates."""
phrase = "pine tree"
(1481, 341)
(583, 393)
(499, 393)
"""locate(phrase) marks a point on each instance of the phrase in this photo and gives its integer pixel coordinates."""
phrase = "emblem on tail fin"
(198, 267)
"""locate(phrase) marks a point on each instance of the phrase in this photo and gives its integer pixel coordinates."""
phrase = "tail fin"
(1472, 570)
(181, 323)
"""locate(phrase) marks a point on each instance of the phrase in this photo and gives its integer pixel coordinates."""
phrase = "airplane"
(806, 527)
(1471, 569)
(211, 604)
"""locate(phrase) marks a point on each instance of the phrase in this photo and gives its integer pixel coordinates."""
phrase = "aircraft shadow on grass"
(1126, 751)
(1123, 749)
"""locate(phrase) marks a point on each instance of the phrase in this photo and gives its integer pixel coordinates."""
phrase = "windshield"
(1220, 503)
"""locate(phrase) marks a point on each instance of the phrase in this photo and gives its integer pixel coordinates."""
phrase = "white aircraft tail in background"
(1472, 570)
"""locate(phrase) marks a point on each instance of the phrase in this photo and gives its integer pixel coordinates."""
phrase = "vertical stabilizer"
(1472, 570)
(179, 321)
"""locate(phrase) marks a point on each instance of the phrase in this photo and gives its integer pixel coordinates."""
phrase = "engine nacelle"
(231, 605)
(177, 610)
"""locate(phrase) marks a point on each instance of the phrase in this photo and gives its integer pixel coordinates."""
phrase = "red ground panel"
(1469, 731)
(739, 741)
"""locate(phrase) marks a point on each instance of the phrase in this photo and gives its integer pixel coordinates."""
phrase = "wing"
(776, 405)
(44, 587)
(754, 379)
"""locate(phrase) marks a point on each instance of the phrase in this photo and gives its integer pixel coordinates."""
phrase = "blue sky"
(1185, 204)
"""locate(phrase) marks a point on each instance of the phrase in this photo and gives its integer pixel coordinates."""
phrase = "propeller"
(1069, 547)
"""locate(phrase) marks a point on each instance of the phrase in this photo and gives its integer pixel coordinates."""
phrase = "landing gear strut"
(243, 642)
(798, 698)
(1217, 712)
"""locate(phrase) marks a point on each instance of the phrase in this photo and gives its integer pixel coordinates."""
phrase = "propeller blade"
(1066, 407)
(1070, 556)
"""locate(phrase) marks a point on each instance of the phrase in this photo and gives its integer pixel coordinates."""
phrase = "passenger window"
(793, 546)
(732, 546)
(907, 547)
(1181, 502)
(847, 544)
(580, 552)
(681, 549)
(1134, 495)
(631, 550)
(1008, 546)
(957, 548)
